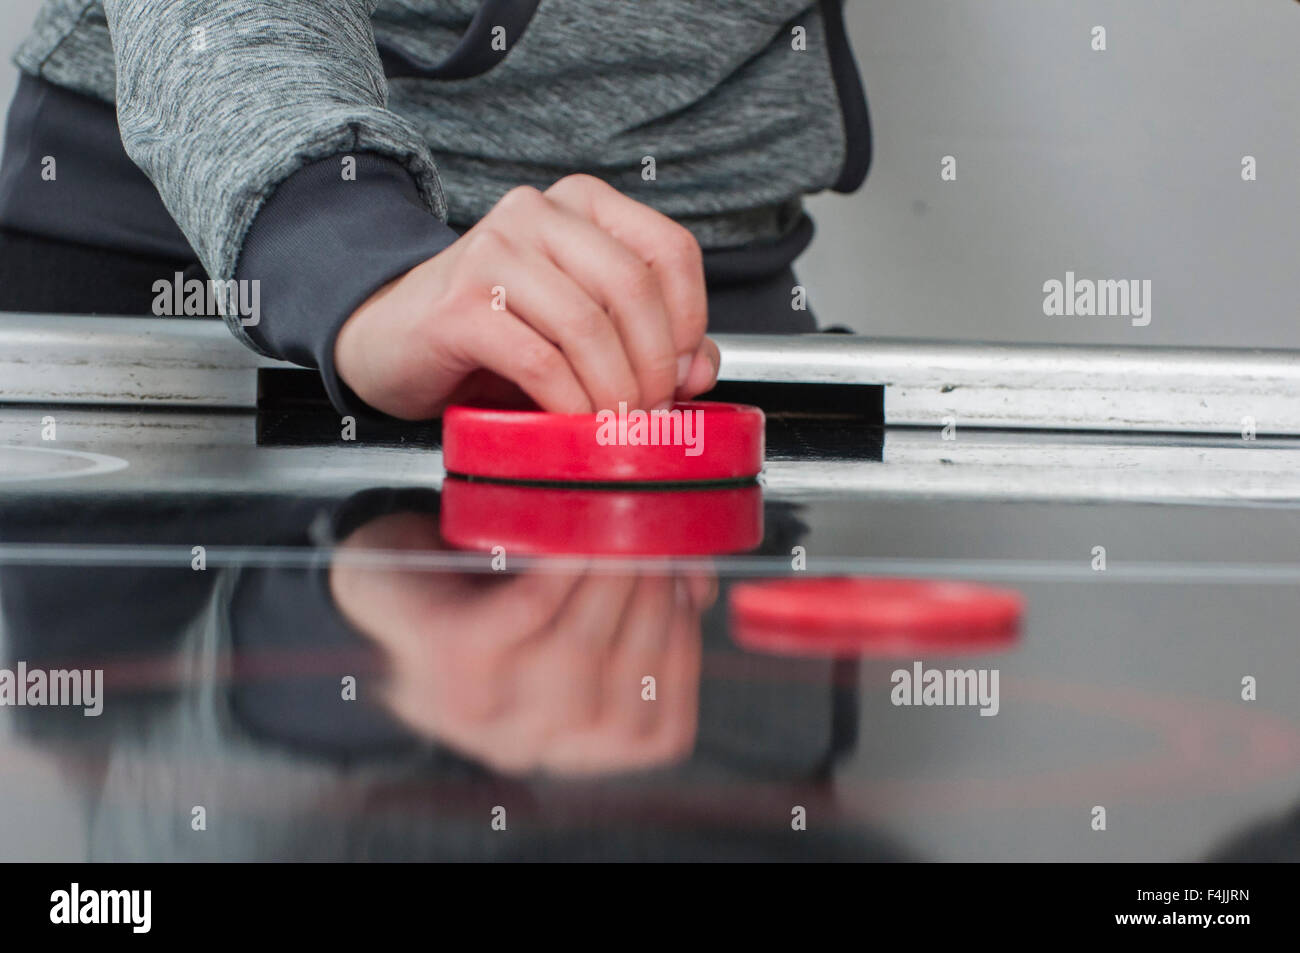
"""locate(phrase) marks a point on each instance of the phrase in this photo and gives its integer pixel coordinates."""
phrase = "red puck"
(873, 617)
(694, 442)
(566, 521)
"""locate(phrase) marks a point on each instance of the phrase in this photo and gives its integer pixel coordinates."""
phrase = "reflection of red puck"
(571, 521)
(688, 443)
(873, 617)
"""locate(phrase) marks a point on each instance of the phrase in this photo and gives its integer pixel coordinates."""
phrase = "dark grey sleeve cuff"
(321, 245)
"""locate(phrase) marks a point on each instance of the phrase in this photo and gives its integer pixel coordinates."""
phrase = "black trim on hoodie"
(474, 53)
(853, 99)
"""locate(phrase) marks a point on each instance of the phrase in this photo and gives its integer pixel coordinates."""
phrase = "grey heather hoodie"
(719, 113)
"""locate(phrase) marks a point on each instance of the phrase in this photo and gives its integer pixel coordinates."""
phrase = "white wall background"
(1122, 164)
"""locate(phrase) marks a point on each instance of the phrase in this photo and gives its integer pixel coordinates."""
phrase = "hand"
(531, 672)
(603, 301)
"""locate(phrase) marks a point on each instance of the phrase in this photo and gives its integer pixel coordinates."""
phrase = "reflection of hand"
(535, 671)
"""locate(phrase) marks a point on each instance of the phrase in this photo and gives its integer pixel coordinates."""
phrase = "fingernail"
(683, 368)
(663, 405)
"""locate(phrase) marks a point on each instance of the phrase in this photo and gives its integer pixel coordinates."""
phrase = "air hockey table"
(298, 664)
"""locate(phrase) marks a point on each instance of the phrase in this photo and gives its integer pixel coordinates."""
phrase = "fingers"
(455, 671)
(659, 637)
(667, 248)
(703, 373)
(511, 348)
(701, 588)
(623, 288)
(577, 652)
(552, 303)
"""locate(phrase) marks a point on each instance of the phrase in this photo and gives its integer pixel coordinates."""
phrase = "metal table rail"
(196, 363)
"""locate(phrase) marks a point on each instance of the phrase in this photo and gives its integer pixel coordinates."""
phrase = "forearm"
(220, 103)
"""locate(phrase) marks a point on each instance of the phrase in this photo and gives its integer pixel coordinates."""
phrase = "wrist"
(323, 246)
